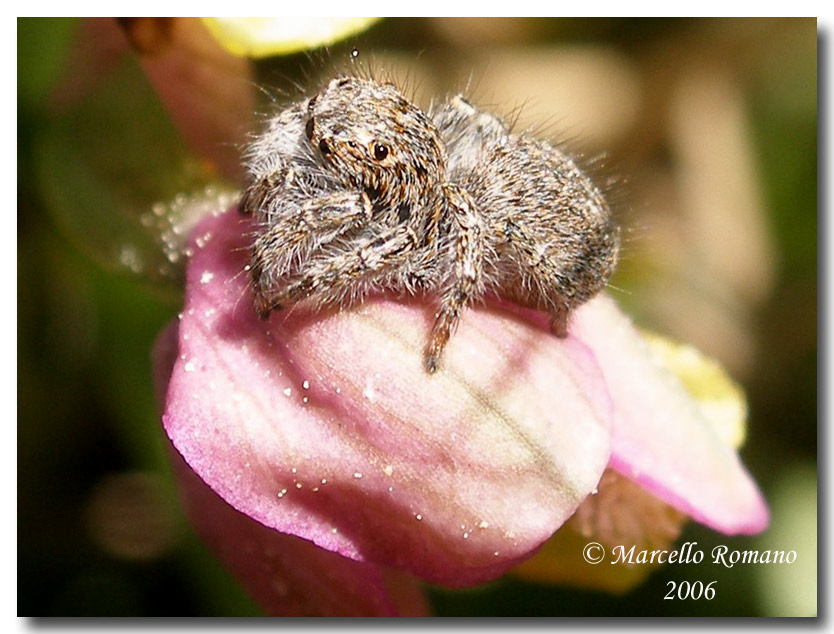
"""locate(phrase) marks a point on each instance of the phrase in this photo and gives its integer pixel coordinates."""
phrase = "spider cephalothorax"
(356, 189)
(373, 138)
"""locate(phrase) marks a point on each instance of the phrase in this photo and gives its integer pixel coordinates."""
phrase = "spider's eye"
(380, 151)
(324, 148)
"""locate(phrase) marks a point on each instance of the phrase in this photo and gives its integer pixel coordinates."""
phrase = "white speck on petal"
(388, 470)
(288, 391)
(206, 277)
(368, 392)
(357, 475)
(306, 385)
(189, 367)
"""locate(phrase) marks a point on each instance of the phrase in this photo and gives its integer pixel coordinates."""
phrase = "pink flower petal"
(289, 576)
(286, 575)
(326, 427)
(661, 439)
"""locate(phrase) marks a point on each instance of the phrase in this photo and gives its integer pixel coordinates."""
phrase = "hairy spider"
(357, 190)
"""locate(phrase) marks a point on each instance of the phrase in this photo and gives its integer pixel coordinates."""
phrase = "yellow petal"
(721, 399)
(262, 37)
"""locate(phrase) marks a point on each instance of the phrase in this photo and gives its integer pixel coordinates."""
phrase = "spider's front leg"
(297, 230)
(345, 273)
(466, 281)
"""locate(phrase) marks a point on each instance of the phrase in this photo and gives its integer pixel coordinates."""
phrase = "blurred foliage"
(103, 173)
(100, 151)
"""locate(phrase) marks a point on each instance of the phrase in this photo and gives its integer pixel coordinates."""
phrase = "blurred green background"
(708, 127)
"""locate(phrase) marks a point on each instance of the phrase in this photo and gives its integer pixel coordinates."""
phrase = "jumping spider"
(356, 190)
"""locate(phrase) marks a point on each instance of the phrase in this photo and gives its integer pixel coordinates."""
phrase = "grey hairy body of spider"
(357, 190)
